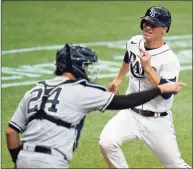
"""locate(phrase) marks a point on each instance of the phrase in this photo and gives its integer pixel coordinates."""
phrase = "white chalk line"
(109, 44)
(52, 47)
(109, 75)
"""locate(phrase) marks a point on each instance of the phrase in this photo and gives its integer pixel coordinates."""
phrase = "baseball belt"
(148, 113)
(41, 149)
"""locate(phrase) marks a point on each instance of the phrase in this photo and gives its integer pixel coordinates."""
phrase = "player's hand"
(145, 59)
(171, 87)
(114, 86)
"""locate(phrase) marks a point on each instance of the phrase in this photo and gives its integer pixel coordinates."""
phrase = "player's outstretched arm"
(136, 99)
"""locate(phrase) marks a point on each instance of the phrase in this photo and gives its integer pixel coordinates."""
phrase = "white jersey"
(69, 102)
(163, 60)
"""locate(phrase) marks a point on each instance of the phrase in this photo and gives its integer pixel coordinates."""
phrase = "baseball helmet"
(157, 15)
(72, 58)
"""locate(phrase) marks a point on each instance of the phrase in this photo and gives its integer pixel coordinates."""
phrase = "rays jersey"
(164, 62)
(69, 102)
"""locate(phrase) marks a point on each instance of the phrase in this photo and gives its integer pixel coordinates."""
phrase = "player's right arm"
(124, 69)
(114, 85)
(16, 126)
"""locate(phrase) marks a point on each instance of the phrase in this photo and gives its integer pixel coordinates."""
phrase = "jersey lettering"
(135, 66)
(33, 99)
(54, 102)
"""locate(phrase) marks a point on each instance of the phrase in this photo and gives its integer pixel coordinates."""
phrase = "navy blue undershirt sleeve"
(126, 57)
(162, 81)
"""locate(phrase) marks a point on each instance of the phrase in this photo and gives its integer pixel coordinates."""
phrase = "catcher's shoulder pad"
(90, 84)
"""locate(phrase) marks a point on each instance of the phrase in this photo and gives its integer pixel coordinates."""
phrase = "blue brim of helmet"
(153, 20)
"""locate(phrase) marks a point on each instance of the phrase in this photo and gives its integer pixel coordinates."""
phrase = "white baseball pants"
(156, 132)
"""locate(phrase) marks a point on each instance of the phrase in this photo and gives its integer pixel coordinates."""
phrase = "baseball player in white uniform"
(151, 62)
(51, 115)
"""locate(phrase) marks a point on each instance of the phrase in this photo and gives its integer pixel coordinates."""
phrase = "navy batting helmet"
(157, 15)
(72, 58)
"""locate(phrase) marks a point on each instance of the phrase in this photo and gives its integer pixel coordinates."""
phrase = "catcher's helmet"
(157, 15)
(72, 58)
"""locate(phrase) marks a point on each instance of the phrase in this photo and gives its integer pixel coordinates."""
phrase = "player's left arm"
(169, 72)
(150, 72)
(153, 77)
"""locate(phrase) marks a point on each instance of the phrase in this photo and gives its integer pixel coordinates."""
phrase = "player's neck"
(154, 44)
(69, 75)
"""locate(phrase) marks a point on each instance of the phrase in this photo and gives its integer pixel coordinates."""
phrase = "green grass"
(29, 24)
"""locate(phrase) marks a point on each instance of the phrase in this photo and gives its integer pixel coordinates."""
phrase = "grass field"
(36, 24)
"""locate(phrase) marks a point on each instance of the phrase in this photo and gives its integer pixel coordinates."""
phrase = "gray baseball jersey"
(166, 65)
(69, 102)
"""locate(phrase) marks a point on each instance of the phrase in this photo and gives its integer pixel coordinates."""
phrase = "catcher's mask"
(158, 16)
(77, 59)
